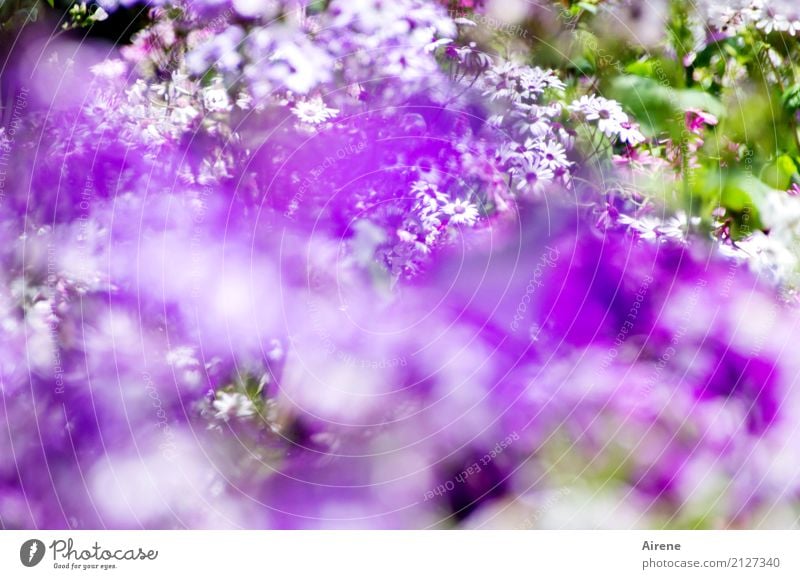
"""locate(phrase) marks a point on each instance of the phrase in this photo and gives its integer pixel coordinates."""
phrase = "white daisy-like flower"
(630, 133)
(607, 113)
(430, 221)
(553, 155)
(676, 227)
(534, 177)
(432, 46)
(647, 227)
(186, 364)
(584, 105)
(764, 255)
(182, 357)
(535, 80)
(461, 212)
(535, 122)
(215, 98)
(276, 351)
(428, 194)
(609, 117)
(465, 22)
(313, 111)
(235, 404)
(266, 9)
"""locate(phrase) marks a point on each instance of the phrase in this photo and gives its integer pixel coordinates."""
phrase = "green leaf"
(791, 98)
(254, 386)
(779, 173)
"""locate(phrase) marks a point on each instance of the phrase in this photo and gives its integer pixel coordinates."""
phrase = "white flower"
(778, 22)
(313, 111)
(609, 118)
(112, 69)
(461, 212)
(296, 63)
(236, 404)
(583, 105)
(182, 357)
(183, 360)
(215, 98)
(244, 101)
(724, 17)
(553, 156)
(517, 82)
(266, 9)
(677, 227)
(425, 192)
(535, 80)
(182, 116)
(630, 133)
(535, 122)
(432, 46)
(275, 350)
(765, 256)
(465, 22)
(534, 177)
(608, 113)
(648, 227)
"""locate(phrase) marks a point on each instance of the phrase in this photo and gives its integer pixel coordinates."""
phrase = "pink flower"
(697, 118)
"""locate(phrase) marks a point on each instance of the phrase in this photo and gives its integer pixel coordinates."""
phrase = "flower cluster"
(609, 118)
(773, 16)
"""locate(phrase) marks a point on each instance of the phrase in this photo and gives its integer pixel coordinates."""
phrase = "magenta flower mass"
(278, 264)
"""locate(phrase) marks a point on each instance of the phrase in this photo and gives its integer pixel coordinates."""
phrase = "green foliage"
(16, 13)
(791, 98)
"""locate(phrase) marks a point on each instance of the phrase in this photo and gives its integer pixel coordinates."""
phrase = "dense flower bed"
(407, 264)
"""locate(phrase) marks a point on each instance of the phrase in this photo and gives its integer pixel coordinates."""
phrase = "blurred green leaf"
(658, 106)
(791, 98)
(779, 173)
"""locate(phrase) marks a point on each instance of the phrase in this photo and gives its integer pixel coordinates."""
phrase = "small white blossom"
(677, 227)
(244, 101)
(648, 227)
(607, 113)
(182, 357)
(553, 156)
(428, 194)
(534, 178)
(233, 405)
(764, 255)
(630, 133)
(110, 69)
(461, 212)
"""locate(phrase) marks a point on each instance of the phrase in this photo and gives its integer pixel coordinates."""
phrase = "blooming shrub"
(409, 264)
